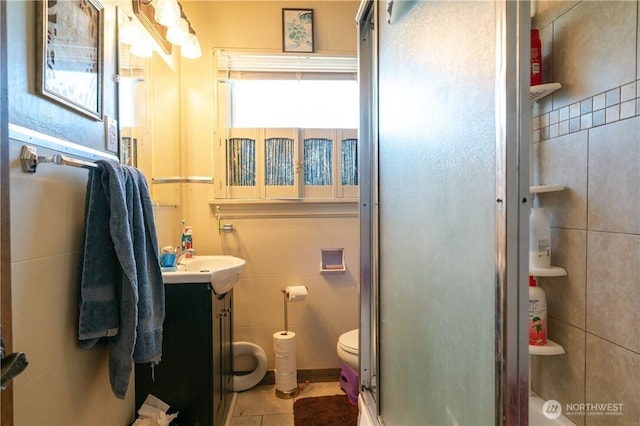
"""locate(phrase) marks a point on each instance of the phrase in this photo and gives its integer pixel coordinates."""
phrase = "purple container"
(349, 383)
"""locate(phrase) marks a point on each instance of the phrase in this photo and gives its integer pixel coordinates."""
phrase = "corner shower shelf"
(553, 271)
(545, 188)
(541, 90)
(551, 348)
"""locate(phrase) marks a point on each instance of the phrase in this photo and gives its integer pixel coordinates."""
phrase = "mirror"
(148, 91)
(132, 88)
(145, 12)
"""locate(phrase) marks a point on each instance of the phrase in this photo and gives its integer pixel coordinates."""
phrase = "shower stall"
(444, 160)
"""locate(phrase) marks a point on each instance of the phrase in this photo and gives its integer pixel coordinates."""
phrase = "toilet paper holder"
(292, 294)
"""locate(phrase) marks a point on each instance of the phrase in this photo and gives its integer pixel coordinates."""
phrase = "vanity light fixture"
(167, 12)
(168, 24)
(191, 48)
(130, 34)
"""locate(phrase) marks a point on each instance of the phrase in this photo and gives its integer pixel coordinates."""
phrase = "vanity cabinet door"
(223, 355)
(185, 376)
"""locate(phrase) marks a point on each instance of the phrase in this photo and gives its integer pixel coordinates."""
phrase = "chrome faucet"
(181, 254)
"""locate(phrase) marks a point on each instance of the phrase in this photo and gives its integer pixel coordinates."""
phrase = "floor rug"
(335, 410)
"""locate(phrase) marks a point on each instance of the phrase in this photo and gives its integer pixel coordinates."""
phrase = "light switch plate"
(111, 133)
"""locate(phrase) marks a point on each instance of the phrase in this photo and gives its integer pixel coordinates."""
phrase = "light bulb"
(129, 33)
(178, 33)
(167, 12)
(191, 48)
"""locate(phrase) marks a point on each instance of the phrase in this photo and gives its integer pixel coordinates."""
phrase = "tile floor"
(260, 406)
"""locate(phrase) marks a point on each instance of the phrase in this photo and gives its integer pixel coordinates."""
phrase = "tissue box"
(153, 412)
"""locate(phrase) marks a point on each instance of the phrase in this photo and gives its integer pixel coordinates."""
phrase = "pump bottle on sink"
(186, 241)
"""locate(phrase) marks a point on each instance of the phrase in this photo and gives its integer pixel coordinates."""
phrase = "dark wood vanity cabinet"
(195, 374)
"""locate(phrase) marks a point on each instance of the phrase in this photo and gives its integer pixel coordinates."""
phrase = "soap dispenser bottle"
(539, 239)
(188, 242)
(537, 314)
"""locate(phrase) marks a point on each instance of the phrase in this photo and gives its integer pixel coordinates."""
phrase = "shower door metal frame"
(513, 145)
(366, 21)
(513, 129)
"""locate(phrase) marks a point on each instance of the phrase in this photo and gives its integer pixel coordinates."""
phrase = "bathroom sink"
(221, 271)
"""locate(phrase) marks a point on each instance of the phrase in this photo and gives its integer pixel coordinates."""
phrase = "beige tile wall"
(587, 136)
(63, 384)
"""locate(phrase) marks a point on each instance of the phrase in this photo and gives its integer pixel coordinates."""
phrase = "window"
(286, 130)
(294, 103)
(289, 163)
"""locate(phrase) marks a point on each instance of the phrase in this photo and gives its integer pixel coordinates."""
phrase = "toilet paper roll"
(284, 346)
(296, 293)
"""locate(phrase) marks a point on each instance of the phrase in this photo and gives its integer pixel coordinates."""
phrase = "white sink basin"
(221, 271)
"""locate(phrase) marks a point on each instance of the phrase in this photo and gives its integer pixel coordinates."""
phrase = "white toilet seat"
(247, 381)
(347, 348)
(349, 341)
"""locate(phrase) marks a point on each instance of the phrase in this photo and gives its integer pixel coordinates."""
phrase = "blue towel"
(121, 289)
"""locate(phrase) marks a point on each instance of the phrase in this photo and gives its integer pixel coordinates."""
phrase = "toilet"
(247, 381)
(347, 349)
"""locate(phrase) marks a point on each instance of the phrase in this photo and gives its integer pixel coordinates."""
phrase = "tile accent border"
(604, 108)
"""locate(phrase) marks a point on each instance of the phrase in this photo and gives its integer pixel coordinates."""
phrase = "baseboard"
(313, 376)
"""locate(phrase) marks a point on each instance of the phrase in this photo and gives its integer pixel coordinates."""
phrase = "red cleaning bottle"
(537, 314)
(536, 58)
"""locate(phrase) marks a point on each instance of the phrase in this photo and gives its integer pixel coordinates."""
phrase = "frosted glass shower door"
(441, 185)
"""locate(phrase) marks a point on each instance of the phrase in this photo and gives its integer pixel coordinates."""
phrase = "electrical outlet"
(111, 133)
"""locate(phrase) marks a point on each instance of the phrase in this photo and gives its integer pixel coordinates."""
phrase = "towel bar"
(30, 159)
(182, 179)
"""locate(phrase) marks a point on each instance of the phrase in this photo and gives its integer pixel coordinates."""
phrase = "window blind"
(234, 65)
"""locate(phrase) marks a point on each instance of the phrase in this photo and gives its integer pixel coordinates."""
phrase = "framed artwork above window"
(297, 30)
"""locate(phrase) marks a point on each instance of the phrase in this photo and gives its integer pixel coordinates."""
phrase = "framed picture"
(69, 68)
(297, 30)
